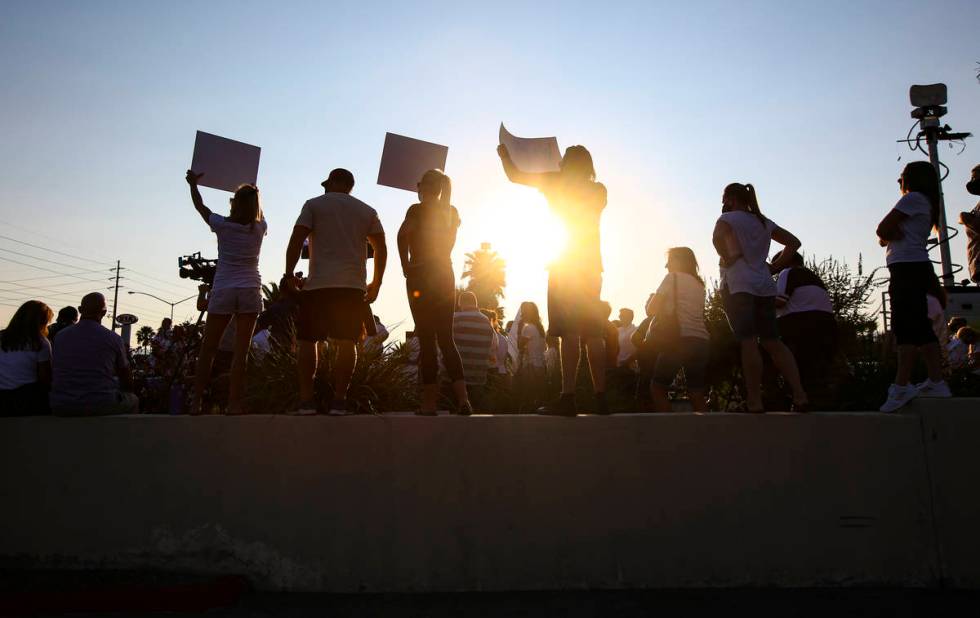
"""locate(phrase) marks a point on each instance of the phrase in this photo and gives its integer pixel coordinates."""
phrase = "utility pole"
(115, 298)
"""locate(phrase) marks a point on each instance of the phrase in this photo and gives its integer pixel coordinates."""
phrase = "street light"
(172, 305)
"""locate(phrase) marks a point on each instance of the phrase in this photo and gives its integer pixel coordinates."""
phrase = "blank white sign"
(532, 154)
(224, 162)
(405, 159)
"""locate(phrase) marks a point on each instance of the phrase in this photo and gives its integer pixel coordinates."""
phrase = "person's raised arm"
(890, 227)
(531, 179)
(380, 262)
(293, 251)
(196, 198)
(791, 245)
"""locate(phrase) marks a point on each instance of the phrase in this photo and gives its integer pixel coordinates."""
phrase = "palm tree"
(144, 336)
(486, 272)
(271, 292)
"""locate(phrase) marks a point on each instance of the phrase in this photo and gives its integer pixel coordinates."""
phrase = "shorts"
(691, 353)
(331, 313)
(751, 316)
(228, 301)
(574, 307)
(907, 291)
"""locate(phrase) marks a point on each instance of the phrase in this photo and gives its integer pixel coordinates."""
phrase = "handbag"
(665, 330)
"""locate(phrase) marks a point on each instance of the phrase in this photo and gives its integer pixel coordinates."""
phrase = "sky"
(101, 102)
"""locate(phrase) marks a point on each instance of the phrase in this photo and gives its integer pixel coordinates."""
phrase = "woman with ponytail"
(742, 237)
(904, 232)
(425, 242)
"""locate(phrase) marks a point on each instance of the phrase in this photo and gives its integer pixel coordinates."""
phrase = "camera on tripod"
(197, 268)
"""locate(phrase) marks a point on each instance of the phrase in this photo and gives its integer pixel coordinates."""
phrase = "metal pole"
(115, 298)
(172, 312)
(944, 256)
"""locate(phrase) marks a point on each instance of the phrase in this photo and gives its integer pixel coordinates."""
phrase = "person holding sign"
(575, 278)
(425, 242)
(236, 293)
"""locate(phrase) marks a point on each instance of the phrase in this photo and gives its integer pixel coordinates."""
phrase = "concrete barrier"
(403, 503)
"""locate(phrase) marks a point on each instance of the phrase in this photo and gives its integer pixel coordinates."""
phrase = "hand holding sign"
(531, 154)
(405, 159)
(222, 163)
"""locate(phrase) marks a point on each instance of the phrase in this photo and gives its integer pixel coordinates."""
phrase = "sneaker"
(465, 409)
(898, 396)
(934, 389)
(306, 408)
(338, 407)
(565, 406)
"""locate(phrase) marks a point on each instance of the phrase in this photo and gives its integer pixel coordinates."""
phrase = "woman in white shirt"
(531, 349)
(742, 237)
(904, 232)
(25, 361)
(236, 292)
(681, 294)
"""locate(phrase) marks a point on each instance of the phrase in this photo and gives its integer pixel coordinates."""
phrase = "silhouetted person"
(425, 242)
(742, 237)
(88, 361)
(575, 278)
(335, 294)
(681, 295)
(236, 293)
(67, 316)
(904, 232)
(474, 337)
(532, 372)
(971, 221)
(25, 361)
(806, 323)
(646, 358)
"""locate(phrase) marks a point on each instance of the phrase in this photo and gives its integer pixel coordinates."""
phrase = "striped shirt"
(473, 336)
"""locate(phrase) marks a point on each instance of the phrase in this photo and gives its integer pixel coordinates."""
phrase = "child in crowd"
(742, 237)
(681, 295)
(962, 349)
(904, 233)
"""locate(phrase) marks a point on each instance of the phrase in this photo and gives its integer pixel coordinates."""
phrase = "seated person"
(88, 361)
(961, 350)
(25, 361)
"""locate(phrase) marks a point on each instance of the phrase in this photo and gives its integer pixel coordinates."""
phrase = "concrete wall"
(484, 503)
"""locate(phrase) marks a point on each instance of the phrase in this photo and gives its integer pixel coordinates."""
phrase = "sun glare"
(524, 231)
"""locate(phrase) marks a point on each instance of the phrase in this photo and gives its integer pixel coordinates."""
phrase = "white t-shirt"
(260, 343)
(958, 353)
(19, 367)
(238, 253)
(937, 316)
(802, 290)
(911, 247)
(689, 304)
(535, 345)
(750, 273)
(340, 225)
(502, 347)
(626, 347)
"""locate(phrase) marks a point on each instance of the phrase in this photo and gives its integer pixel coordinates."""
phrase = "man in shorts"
(335, 295)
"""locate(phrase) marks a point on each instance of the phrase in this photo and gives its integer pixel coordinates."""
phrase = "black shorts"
(574, 307)
(907, 291)
(751, 317)
(331, 313)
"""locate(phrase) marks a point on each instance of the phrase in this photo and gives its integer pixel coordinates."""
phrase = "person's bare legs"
(786, 365)
(214, 328)
(343, 367)
(934, 361)
(244, 327)
(305, 368)
(569, 347)
(659, 396)
(752, 372)
(596, 347)
(430, 398)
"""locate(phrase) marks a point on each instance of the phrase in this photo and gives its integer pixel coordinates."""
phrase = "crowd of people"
(778, 309)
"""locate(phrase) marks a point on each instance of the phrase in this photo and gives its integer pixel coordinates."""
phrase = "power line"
(36, 233)
(79, 272)
(77, 257)
(40, 268)
(34, 257)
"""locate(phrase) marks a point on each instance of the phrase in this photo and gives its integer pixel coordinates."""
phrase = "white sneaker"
(898, 396)
(339, 408)
(934, 389)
